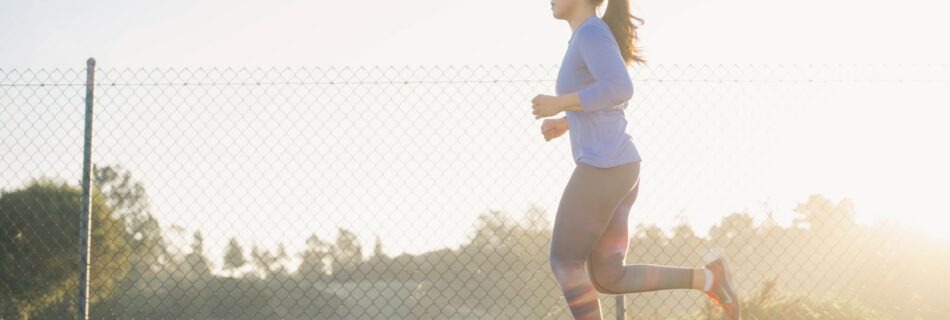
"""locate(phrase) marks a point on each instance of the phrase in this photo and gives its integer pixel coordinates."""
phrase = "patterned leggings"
(590, 230)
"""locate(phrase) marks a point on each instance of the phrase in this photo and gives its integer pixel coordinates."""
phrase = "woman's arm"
(548, 106)
(613, 86)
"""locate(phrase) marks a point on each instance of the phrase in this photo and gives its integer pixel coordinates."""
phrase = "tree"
(233, 256)
(346, 252)
(124, 195)
(263, 261)
(378, 249)
(312, 265)
(195, 260)
(38, 242)
(348, 245)
(736, 225)
(280, 259)
(820, 213)
(536, 219)
(493, 229)
(130, 203)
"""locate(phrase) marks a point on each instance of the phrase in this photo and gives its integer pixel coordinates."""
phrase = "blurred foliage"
(768, 303)
(831, 267)
(39, 248)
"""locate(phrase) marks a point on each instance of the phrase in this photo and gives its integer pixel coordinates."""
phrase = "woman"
(590, 231)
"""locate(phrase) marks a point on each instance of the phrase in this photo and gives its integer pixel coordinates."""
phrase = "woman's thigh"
(616, 236)
(587, 206)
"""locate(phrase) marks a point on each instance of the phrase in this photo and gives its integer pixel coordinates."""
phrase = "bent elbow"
(626, 92)
(623, 91)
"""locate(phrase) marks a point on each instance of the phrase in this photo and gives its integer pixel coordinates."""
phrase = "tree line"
(500, 272)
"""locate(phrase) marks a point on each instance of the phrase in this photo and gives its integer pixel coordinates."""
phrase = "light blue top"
(594, 68)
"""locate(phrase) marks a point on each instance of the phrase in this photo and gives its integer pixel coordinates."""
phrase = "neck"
(579, 17)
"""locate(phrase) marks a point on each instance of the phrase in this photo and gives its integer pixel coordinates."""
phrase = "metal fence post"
(85, 222)
(621, 302)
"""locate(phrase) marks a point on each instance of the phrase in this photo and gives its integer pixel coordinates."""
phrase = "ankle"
(702, 279)
(699, 279)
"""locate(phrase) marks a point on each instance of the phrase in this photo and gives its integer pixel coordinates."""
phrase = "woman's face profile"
(561, 9)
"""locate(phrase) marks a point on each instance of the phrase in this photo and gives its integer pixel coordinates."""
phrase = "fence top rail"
(467, 74)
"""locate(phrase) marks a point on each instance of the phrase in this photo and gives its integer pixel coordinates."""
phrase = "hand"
(553, 128)
(545, 106)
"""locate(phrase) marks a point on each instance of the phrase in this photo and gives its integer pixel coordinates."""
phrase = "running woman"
(590, 238)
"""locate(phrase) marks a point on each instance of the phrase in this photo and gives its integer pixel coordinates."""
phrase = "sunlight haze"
(888, 128)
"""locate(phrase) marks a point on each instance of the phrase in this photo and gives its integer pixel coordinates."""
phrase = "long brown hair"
(621, 23)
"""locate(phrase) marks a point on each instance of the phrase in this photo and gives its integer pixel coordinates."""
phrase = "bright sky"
(882, 149)
(412, 32)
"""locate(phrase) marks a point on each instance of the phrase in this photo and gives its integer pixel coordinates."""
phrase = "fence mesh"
(428, 192)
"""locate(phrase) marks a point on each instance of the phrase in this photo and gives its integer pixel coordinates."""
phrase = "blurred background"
(389, 166)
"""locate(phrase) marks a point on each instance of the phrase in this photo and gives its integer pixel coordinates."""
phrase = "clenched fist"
(553, 128)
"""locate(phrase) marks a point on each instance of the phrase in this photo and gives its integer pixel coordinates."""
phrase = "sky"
(180, 33)
(877, 144)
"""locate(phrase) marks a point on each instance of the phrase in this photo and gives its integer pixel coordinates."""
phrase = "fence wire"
(428, 192)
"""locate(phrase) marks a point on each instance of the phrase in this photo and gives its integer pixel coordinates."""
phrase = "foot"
(722, 292)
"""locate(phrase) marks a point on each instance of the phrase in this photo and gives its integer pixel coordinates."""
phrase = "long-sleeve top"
(595, 70)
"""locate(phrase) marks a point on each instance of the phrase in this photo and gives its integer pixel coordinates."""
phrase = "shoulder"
(594, 31)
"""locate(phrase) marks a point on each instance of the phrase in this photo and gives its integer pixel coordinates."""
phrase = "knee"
(605, 274)
(604, 268)
(564, 267)
(558, 263)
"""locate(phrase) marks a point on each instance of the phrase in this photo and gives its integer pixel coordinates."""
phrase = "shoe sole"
(732, 289)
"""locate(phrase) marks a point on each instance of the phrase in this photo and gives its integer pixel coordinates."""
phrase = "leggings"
(590, 232)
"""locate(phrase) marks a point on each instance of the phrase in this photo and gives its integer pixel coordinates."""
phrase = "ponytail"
(621, 22)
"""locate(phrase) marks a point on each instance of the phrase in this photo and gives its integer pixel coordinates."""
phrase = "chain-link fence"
(428, 192)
